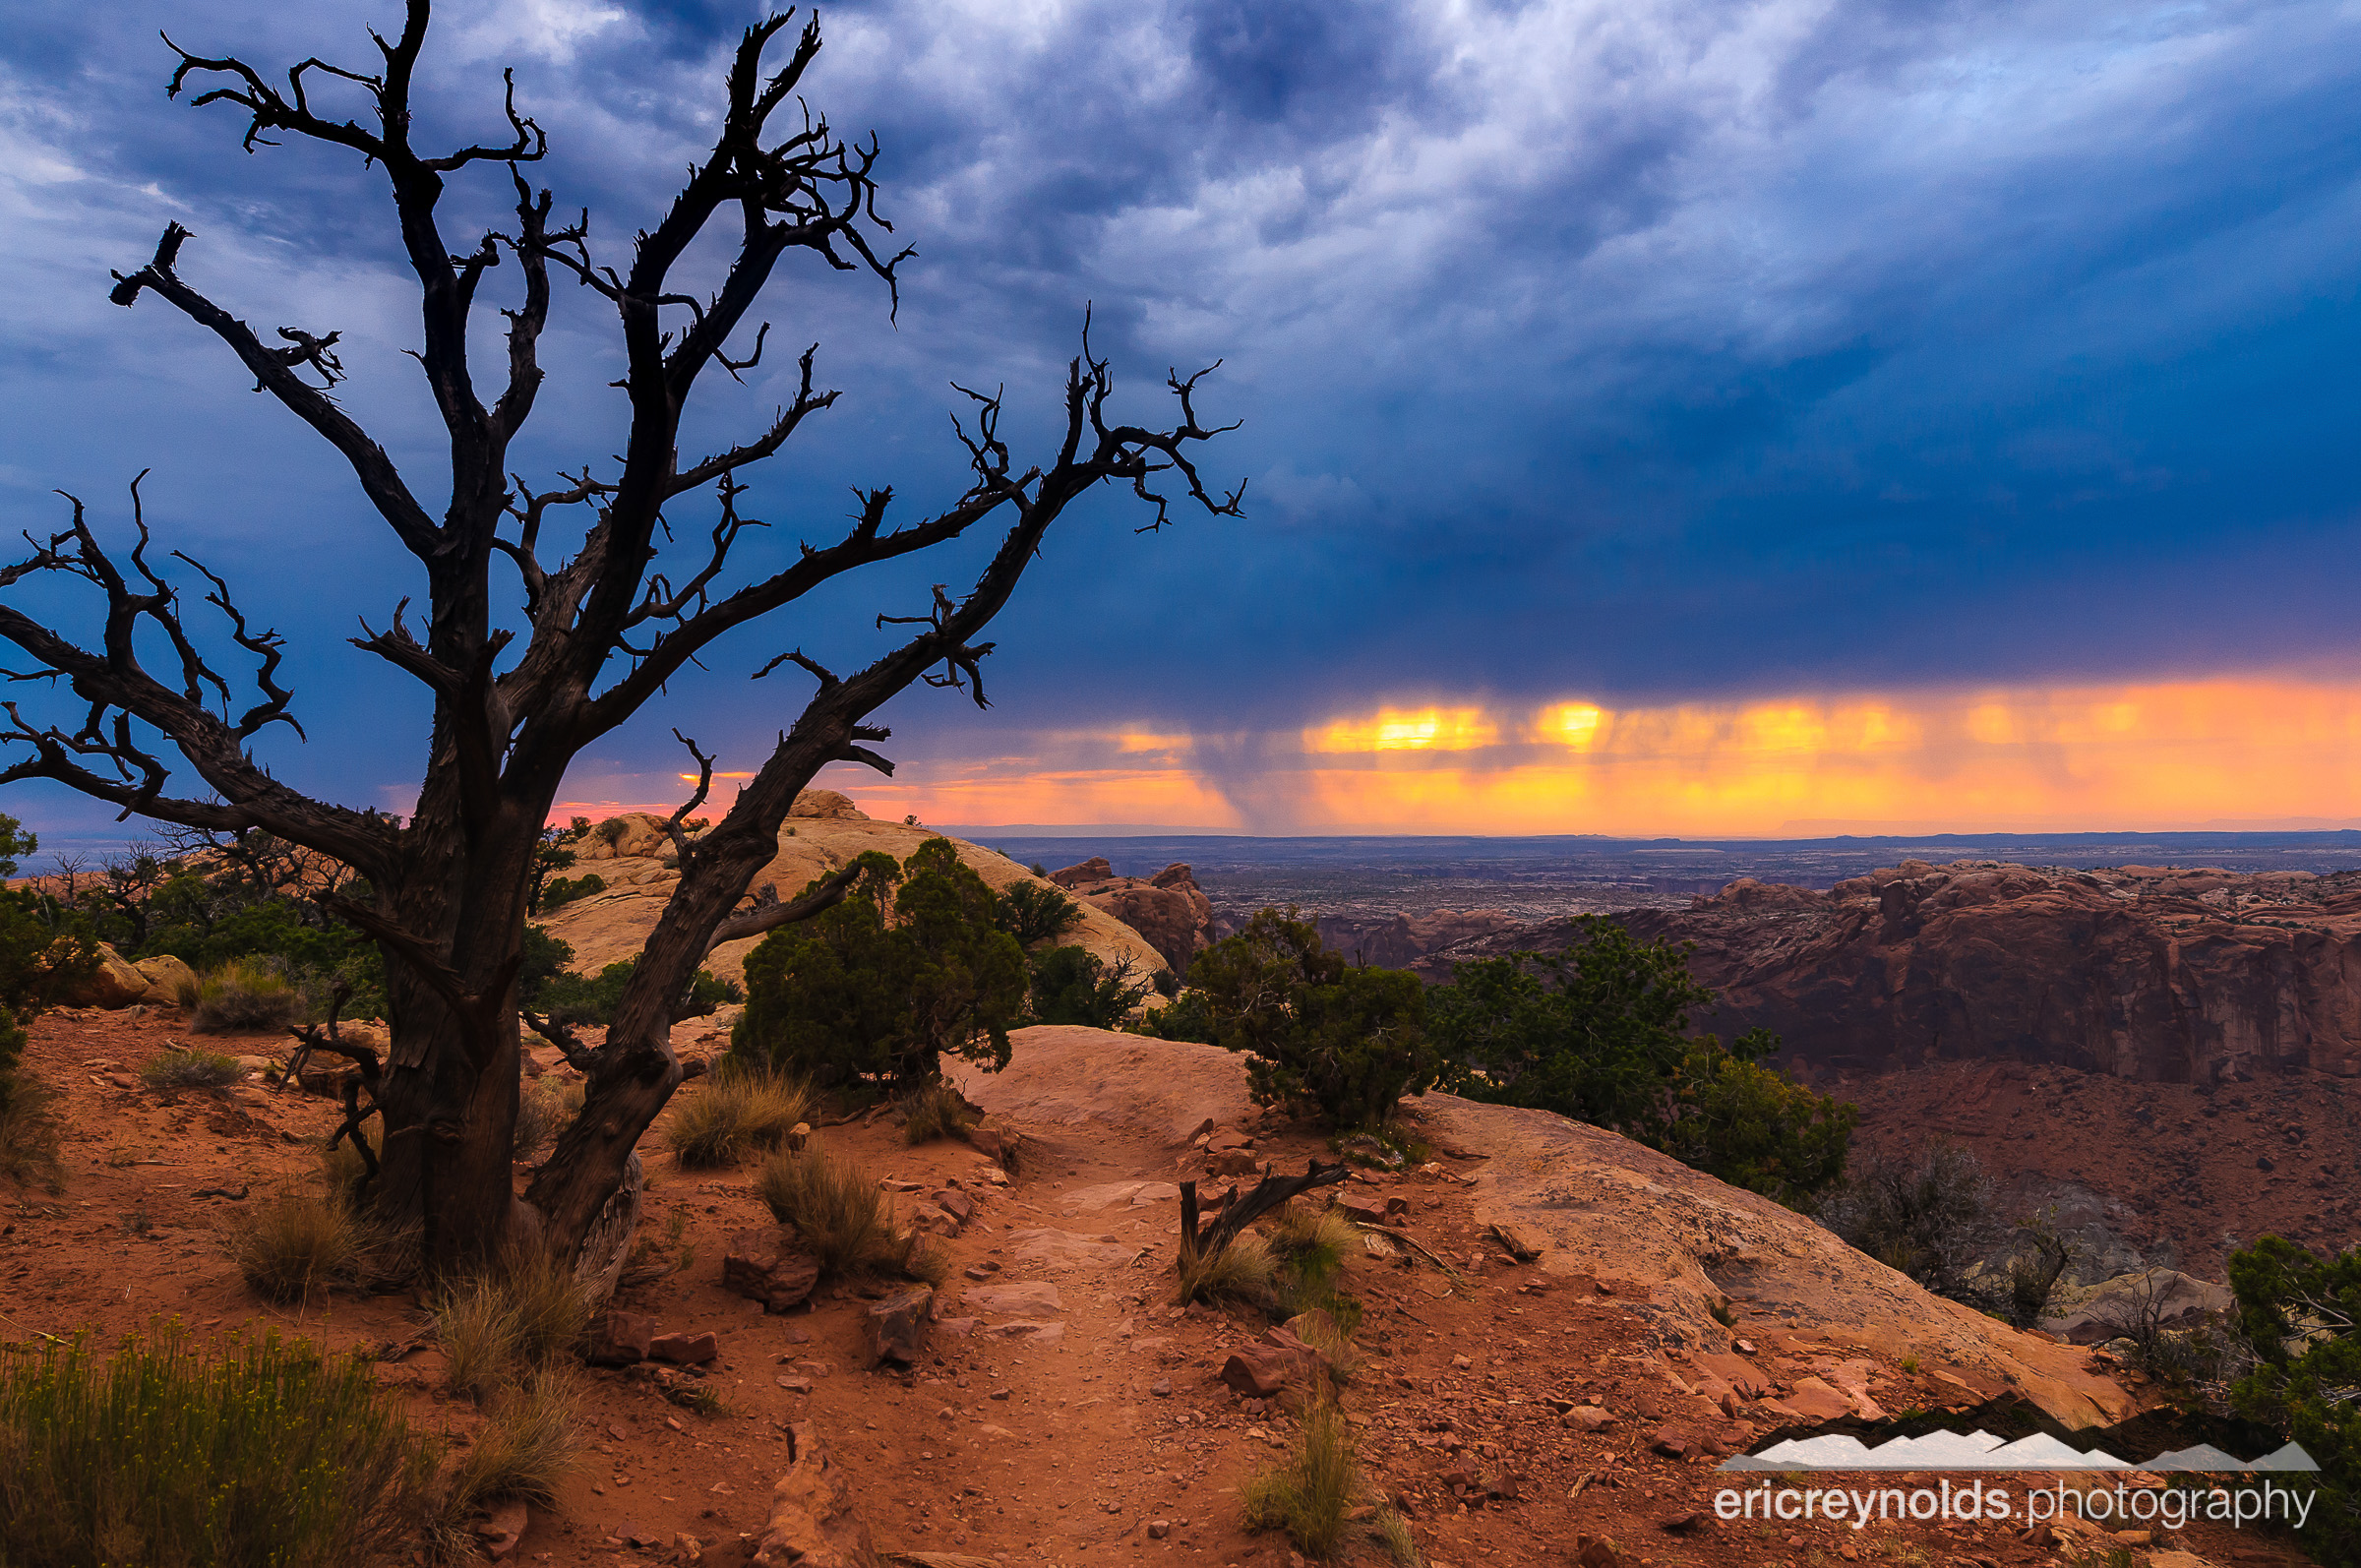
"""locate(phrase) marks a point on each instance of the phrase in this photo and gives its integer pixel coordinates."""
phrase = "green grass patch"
(168, 1456)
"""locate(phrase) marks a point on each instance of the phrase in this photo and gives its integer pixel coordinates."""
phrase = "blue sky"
(1667, 357)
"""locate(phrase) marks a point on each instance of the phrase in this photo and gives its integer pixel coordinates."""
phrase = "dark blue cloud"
(1625, 351)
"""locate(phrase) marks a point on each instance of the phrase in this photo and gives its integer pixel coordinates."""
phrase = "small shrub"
(2040, 1259)
(249, 994)
(269, 1453)
(840, 1215)
(739, 1112)
(189, 1070)
(1320, 1036)
(592, 999)
(908, 967)
(1326, 1330)
(1308, 1495)
(1314, 1242)
(525, 1451)
(294, 1243)
(1035, 913)
(1242, 1273)
(937, 1112)
(1073, 985)
(544, 1108)
(1922, 1215)
(509, 1323)
(559, 892)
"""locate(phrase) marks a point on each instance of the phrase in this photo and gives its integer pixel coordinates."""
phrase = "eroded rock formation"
(2143, 972)
(1169, 909)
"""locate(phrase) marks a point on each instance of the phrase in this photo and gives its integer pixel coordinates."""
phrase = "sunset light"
(2251, 753)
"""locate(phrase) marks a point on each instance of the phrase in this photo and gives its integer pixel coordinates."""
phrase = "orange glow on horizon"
(2175, 754)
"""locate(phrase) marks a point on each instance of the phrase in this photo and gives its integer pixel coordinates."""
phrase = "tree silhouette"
(604, 632)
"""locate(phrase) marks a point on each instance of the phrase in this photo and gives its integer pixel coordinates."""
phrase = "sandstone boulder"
(684, 1350)
(1094, 870)
(619, 1338)
(1260, 1371)
(166, 976)
(113, 983)
(763, 1264)
(895, 1328)
(826, 806)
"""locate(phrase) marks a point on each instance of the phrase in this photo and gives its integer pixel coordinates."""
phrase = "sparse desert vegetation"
(189, 1070)
(167, 1452)
(838, 1213)
(292, 1243)
(737, 1112)
(243, 995)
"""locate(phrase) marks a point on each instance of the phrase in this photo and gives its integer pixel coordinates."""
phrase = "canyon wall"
(2145, 973)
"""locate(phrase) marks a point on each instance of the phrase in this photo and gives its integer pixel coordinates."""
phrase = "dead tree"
(1203, 1240)
(597, 634)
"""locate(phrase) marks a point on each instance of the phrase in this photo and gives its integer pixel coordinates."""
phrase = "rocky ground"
(1514, 1411)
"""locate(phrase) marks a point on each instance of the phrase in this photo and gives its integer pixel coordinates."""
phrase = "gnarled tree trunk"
(589, 641)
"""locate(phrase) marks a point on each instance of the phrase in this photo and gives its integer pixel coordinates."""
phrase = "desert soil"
(1059, 1443)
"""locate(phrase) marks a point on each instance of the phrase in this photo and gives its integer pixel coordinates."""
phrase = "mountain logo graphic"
(1983, 1451)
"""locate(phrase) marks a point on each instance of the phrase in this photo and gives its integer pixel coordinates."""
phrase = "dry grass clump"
(509, 1323)
(295, 1242)
(1308, 1248)
(244, 994)
(191, 1069)
(29, 1129)
(544, 1108)
(937, 1112)
(1243, 1274)
(1318, 1327)
(1310, 1494)
(270, 1452)
(740, 1112)
(840, 1215)
(527, 1450)
(1393, 1534)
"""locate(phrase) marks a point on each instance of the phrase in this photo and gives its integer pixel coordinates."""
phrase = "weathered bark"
(450, 887)
(1199, 1240)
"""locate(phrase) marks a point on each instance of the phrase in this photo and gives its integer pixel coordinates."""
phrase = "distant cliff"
(2145, 973)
